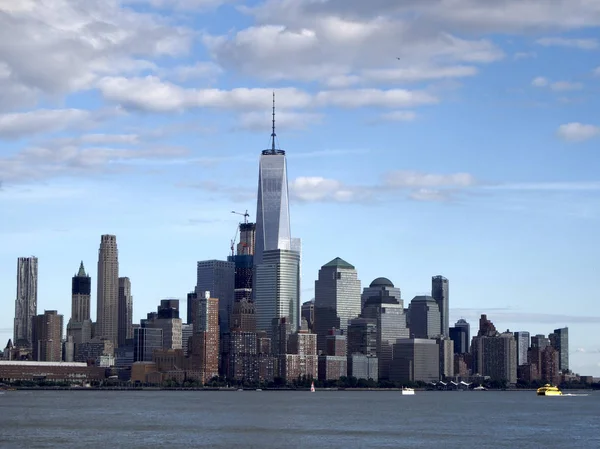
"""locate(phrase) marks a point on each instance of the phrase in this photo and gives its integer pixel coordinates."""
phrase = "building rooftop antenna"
(273, 135)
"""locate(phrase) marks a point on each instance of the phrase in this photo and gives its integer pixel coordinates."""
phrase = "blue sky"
(438, 137)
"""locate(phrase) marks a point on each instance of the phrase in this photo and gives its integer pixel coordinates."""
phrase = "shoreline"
(225, 389)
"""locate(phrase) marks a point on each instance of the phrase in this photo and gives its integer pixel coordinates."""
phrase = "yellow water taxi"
(549, 390)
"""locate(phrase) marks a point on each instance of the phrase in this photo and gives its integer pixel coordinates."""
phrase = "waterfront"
(333, 419)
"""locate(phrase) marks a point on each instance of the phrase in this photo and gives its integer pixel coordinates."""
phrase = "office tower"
(272, 209)
(205, 342)
(337, 299)
(308, 313)
(247, 239)
(296, 245)
(424, 317)
(415, 359)
(218, 278)
(80, 324)
(362, 337)
(276, 290)
(522, 338)
(192, 307)
(440, 293)
(446, 346)
(145, 341)
(540, 341)
(125, 311)
(167, 319)
(379, 287)
(187, 330)
(26, 302)
(107, 315)
(243, 316)
(47, 337)
(560, 341)
(388, 311)
(460, 335)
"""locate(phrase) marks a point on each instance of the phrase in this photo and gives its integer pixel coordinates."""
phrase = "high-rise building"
(26, 302)
(167, 318)
(440, 292)
(379, 287)
(307, 312)
(145, 341)
(276, 290)
(424, 317)
(205, 342)
(218, 278)
(415, 359)
(276, 262)
(80, 325)
(272, 209)
(47, 337)
(125, 311)
(107, 316)
(522, 338)
(460, 335)
(337, 299)
(192, 307)
(247, 239)
(560, 341)
(388, 312)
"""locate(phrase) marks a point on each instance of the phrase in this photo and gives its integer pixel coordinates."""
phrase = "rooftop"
(339, 263)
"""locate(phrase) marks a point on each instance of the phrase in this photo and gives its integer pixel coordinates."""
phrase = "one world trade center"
(276, 264)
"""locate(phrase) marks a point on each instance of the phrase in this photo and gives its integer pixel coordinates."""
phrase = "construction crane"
(245, 215)
(237, 228)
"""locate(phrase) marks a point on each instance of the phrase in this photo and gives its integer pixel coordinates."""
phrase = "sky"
(424, 137)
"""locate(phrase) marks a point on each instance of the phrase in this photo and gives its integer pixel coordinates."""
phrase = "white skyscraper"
(107, 315)
(276, 264)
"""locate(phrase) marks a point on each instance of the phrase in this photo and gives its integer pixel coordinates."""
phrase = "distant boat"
(408, 391)
(258, 389)
(312, 387)
(549, 390)
(480, 388)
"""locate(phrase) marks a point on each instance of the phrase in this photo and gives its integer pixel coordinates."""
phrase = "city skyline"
(467, 151)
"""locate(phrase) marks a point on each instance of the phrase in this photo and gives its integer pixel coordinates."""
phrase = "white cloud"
(70, 44)
(23, 124)
(152, 94)
(203, 70)
(597, 71)
(318, 189)
(583, 44)
(557, 86)
(393, 98)
(415, 74)
(413, 179)
(180, 4)
(578, 132)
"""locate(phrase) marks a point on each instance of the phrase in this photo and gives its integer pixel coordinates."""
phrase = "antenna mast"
(273, 135)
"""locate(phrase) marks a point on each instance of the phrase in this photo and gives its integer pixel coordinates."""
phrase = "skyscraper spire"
(81, 272)
(273, 135)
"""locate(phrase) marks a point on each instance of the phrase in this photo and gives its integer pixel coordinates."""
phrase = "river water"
(291, 419)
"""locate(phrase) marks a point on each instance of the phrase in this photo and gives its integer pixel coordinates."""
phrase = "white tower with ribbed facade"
(107, 312)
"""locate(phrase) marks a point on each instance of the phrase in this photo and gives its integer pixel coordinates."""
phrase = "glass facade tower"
(272, 209)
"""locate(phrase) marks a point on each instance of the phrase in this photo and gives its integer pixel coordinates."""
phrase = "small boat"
(480, 388)
(408, 391)
(549, 390)
(312, 387)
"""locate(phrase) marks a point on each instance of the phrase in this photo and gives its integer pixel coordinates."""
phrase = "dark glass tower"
(440, 292)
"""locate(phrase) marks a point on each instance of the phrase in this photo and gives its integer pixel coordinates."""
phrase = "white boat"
(408, 391)
(312, 387)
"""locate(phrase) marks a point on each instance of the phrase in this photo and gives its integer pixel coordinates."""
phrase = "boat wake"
(575, 394)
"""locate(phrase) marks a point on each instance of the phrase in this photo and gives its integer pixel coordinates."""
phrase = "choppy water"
(250, 419)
